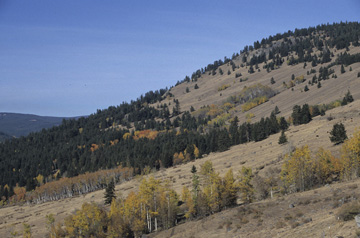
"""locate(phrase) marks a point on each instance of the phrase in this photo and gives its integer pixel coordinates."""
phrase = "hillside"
(170, 130)
(315, 214)
(17, 124)
(261, 156)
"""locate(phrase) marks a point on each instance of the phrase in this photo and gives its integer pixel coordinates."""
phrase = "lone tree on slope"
(338, 134)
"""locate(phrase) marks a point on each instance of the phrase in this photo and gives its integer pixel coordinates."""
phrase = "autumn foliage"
(155, 206)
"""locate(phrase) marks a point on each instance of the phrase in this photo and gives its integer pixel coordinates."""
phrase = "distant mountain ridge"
(18, 124)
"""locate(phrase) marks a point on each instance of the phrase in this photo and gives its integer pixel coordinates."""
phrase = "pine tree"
(305, 114)
(347, 99)
(296, 115)
(338, 134)
(276, 110)
(193, 169)
(233, 130)
(282, 138)
(283, 124)
(342, 70)
(110, 192)
(272, 80)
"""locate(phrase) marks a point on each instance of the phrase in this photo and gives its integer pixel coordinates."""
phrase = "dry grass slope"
(270, 218)
(260, 156)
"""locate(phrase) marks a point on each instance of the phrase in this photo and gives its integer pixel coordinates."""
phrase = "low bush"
(348, 211)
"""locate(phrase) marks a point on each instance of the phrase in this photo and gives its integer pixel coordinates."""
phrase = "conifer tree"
(109, 192)
(305, 112)
(272, 80)
(342, 70)
(283, 124)
(282, 138)
(233, 130)
(319, 85)
(338, 134)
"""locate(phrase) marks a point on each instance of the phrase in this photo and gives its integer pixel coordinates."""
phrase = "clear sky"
(72, 57)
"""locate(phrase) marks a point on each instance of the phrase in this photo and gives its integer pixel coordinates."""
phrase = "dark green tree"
(109, 192)
(196, 86)
(296, 115)
(233, 130)
(342, 70)
(338, 134)
(282, 138)
(283, 124)
(347, 99)
(276, 110)
(221, 71)
(193, 169)
(251, 70)
(272, 80)
(305, 114)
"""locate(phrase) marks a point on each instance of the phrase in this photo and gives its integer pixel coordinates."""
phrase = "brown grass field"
(269, 218)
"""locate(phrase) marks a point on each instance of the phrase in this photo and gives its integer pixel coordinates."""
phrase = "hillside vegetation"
(302, 79)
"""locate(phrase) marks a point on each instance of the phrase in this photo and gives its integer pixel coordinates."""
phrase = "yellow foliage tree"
(86, 222)
(168, 205)
(298, 169)
(245, 187)
(40, 179)
(148, 192)
(211, 188)
(326, 166)
(189, 203)
(350, 154)
(229, 190)
(126, 136)
(196, 152)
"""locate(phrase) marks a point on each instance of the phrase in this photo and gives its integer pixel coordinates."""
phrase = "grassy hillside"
(315, 66)
(261, 156)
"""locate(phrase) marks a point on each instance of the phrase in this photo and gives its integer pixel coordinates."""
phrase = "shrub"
(349, 211)
(223, 87)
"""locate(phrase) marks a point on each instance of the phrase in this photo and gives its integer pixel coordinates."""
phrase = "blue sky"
(70, 58)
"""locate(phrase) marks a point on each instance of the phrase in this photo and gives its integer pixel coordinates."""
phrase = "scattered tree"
(282, 138)
(272, 80)
(338, 134)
